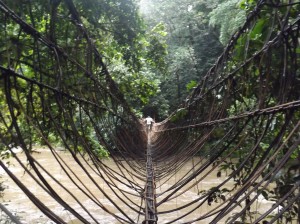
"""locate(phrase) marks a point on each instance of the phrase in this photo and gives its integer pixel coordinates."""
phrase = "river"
(18, 203)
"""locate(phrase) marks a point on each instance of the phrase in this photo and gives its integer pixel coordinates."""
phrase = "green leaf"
(191, 85)
(257, 30)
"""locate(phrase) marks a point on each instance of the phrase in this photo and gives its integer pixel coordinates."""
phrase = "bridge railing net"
(57, 89)
(242, 120)
(240, 124)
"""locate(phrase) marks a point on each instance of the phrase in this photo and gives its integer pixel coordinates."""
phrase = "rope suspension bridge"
(248, 110)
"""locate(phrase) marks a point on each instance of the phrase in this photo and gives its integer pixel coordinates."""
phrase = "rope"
(242, 119)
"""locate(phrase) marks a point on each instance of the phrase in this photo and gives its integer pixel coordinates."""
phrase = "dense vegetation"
(154, 56)
(259, 69)
(156, 51)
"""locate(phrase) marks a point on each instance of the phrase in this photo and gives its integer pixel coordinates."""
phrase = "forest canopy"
(156, 57)
(222, 76)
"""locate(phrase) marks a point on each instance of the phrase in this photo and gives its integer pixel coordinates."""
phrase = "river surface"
(19, 205)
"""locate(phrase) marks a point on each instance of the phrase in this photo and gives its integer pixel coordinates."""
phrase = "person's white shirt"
(149, 120)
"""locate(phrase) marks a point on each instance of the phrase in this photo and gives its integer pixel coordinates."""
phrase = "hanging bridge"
(241, 120)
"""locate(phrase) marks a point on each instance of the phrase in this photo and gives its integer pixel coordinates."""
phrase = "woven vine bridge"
(240, 123)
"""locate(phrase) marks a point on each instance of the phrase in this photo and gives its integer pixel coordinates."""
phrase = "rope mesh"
(242, 119)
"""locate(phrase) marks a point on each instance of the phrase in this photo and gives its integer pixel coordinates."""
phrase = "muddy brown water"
(18, 203)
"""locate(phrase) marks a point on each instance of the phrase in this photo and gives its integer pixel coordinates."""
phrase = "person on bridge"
(149, 122)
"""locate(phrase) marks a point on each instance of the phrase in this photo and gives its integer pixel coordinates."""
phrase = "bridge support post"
(150, 198)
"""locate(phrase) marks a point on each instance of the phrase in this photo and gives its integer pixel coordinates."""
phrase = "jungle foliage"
(195, 38)
(156, 52)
